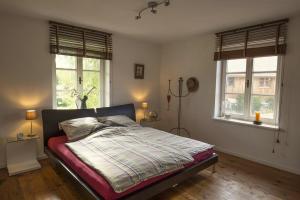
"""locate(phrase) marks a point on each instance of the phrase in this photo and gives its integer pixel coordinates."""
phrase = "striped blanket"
(126, 156)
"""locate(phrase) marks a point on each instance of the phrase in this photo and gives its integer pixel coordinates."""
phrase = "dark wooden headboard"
(52, 117)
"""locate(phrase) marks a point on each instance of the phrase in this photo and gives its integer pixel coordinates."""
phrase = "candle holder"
(257, 118)
(178, 129)
(257, 122)
(192, 86)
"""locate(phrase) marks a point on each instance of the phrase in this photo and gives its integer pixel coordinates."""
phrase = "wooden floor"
(235, 179)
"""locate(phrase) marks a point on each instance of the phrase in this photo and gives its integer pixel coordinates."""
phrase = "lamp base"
(31, 135)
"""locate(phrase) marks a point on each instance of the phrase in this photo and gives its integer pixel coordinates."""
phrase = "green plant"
(240, 103)
(256, 104)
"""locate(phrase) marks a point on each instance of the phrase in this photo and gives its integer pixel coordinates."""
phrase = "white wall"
(194, 57)
(127, 52)
(25, 75)
(26, 80)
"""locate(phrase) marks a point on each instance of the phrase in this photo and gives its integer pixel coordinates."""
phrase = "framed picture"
(139, 71)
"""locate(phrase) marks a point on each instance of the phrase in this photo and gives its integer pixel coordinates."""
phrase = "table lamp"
(31, 115)
(145, 107)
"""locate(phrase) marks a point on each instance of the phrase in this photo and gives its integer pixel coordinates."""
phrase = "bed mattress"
(96, 181)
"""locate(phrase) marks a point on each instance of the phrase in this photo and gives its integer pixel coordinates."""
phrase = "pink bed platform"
(96, 181)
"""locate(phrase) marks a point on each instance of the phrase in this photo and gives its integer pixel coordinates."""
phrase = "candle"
(257, 116)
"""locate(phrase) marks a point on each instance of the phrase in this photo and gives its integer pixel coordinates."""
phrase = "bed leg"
(213, 170)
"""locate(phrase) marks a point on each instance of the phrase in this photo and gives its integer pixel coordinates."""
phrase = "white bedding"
(126, 156)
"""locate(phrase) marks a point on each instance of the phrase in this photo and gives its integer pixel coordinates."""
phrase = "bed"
(91, 182)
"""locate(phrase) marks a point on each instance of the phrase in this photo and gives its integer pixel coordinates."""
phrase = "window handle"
(247, 83)
(80, 80)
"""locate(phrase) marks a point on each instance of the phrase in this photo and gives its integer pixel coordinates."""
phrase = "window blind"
(76, 41)
(253, 41)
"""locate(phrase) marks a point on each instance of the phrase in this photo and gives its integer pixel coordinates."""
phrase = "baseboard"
(254, 159)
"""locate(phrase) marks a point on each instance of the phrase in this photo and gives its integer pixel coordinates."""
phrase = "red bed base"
(96, 181)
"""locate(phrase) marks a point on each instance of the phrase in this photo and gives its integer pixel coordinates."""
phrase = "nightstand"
(21, 154)
(153, 123)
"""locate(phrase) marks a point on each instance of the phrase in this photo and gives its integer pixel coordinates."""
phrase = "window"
(248, 85)
(78, 76)
(265, 82)
(230, 81)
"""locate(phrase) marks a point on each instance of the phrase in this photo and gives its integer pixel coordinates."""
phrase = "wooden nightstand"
(21, 155)
(150, 123)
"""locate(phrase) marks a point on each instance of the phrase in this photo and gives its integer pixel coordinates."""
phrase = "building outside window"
(266, 82)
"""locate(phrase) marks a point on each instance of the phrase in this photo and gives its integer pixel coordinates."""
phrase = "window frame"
(248, 91)
(104, 80)
(223, 92)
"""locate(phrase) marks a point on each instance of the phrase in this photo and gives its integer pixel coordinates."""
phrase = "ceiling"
(181, 19)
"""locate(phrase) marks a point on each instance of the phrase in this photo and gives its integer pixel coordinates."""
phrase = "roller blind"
(76, 41)
(253, 41)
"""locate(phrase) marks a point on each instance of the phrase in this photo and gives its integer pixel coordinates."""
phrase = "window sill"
(247, 123)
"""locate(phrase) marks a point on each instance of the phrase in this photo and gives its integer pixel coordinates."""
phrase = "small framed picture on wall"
(139, 71)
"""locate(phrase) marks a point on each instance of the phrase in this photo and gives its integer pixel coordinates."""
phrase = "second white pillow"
(119, 119)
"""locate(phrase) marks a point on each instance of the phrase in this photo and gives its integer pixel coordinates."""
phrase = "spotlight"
(152, 5)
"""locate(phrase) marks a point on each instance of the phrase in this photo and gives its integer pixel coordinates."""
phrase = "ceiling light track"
(152, 6)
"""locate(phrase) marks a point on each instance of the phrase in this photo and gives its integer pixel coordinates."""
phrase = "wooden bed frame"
(51, 118)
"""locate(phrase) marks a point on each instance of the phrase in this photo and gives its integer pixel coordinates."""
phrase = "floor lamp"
(192, 86)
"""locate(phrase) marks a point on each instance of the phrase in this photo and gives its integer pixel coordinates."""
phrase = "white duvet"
(126, 156)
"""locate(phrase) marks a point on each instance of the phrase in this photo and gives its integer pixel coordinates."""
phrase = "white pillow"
(78, 128)
(119, 120)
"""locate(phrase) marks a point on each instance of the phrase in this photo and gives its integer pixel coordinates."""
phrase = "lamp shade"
(145, 105)
(31, 114)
